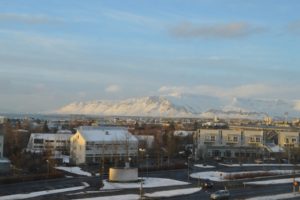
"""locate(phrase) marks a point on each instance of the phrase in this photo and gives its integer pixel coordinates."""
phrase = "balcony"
(209, 142)
(232, 142)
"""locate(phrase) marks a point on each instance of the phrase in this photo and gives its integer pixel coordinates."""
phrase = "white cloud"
(113, 88)
(28, 18)
(226, 30)
(250, 90)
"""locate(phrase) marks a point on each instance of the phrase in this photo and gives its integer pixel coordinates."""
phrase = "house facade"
(210, 143)
(288, 139)
(93, 144)
(56, 143)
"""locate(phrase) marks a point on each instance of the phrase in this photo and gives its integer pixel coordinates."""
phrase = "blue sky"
(53, 52)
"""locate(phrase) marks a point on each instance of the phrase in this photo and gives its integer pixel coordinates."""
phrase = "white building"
(228, 143)
(57, 143)
(253, 138)
(92, 144)
(288, 139)
(2, 119)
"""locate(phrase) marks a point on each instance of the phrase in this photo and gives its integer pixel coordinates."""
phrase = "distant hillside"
(185, 106)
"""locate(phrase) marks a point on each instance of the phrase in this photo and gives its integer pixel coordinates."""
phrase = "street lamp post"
(147, 158)
(47, 168)
(188, 167)
(141, 188)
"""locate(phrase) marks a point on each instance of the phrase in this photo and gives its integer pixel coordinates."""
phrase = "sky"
(54, 52)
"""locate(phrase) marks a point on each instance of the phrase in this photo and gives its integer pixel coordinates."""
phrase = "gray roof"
(94, 134)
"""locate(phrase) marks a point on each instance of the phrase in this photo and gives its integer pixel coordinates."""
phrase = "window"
(232, 138)
(213, 138)
(294, 140)
(38, 141)
(210, 138)
(257, 139)
(287, 140)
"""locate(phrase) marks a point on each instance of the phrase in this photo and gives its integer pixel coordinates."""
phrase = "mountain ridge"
(185, 106)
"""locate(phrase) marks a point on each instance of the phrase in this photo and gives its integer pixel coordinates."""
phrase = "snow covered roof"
(94, 134)
(64, 132)
(182, 133)
(51, 136)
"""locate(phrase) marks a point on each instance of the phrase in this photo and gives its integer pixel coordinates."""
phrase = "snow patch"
(218, 176)
(259, 165)
(204, 166)
(171, 193)
(147, 183)
(42, 193)
(116, 197)
(74, 170)
(158, 194)
(273, 181)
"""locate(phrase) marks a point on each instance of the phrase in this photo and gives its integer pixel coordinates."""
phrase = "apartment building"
(288, 139)
(228, 143)
(57, 143)
(93, 144)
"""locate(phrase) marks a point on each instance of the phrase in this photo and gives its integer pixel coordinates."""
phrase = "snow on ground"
(204, 166)
(259, 165)
(277, 197)
(159, 194)
(219, 176)
(116, 197)
(171, 193)
(211, 175)
(74, 170)
(42, 193)
(147, 183)
(272, 182)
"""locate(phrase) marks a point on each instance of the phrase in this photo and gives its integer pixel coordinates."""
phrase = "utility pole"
(141, 189)
(188, 167)
(147, 159)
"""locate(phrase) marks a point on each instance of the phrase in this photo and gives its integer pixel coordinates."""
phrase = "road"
(238, 192)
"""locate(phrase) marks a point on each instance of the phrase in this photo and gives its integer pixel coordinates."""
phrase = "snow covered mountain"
(145, 106)
(186, 106)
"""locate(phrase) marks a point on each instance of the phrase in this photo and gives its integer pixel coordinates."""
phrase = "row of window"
(291, 140)
(212, 138)
(229, 153)
(41, 141)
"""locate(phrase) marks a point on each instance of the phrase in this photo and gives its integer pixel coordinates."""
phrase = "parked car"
(206, 183)
(220, 194)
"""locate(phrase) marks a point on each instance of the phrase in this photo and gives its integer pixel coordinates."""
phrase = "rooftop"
(106, 134)
(50, 136)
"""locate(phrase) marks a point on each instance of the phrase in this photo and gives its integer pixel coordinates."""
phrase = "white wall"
(77, 149)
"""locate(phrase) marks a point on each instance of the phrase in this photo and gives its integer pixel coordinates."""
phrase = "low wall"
(123, 174)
